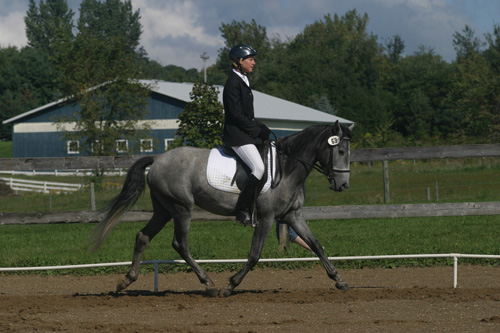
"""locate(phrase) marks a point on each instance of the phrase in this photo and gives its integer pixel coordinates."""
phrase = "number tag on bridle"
(333, 140)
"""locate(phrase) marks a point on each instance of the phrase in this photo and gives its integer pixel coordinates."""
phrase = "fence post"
(92, 197)
(455, 270)
(437, 191)
(283, 233)
(385, 165)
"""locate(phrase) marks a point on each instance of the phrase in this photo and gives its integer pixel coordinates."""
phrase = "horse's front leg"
(258, 241)
(298, 223)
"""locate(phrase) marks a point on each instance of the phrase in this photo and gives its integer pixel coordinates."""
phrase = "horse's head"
(334, 156)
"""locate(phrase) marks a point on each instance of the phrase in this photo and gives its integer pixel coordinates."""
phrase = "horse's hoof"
(212, 292)
(121, 285)
(225, 292)
(342, 286)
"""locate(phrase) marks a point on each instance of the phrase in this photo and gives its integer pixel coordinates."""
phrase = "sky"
(178, 32)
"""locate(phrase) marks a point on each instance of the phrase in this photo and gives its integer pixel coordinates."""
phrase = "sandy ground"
(380, 300)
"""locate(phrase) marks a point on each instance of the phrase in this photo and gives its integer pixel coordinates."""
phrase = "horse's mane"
(314, 137)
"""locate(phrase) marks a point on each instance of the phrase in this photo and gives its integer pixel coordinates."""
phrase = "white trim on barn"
(69, 127)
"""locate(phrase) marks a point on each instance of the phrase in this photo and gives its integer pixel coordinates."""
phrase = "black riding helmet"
(239, 52)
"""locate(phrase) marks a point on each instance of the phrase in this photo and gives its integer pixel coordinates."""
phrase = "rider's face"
(247, 64)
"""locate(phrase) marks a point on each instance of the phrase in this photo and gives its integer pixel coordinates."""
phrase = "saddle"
(227, 172)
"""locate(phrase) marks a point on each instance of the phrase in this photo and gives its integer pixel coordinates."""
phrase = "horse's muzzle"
(339, 185)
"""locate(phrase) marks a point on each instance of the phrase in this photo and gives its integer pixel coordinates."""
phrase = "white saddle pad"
(222, 167)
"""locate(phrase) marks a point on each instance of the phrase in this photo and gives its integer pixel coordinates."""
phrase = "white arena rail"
(455, 257)
(39, 186)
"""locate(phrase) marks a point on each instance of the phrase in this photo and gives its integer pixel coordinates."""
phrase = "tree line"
(334, 65)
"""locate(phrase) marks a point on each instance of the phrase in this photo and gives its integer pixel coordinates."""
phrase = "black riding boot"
(245, 201)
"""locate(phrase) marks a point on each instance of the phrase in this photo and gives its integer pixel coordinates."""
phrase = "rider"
(241, 131)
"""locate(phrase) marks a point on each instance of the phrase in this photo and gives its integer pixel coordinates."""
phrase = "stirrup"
(246, 219)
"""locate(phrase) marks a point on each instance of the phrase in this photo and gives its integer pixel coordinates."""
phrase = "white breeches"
(250, 155)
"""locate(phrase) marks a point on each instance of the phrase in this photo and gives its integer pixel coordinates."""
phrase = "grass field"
(5, 149)
(458, 181)
(40, 245)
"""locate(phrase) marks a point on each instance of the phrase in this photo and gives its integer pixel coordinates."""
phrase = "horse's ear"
(336, 127)
(351, 126)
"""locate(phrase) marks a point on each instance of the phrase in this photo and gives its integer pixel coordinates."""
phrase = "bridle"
(333, 141)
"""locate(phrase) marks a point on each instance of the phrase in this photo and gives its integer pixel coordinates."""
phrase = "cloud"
(12, 29)
(174, 33)
(427, 23)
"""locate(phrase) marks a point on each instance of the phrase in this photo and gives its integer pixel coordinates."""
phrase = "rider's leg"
(251, 157)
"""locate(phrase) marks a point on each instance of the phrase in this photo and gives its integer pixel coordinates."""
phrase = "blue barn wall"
(46, 144)
(51, 144)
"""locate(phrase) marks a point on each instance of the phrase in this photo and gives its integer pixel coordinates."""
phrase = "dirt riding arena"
(391, 300)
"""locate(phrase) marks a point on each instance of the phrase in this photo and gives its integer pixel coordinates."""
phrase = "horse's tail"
(132, 189)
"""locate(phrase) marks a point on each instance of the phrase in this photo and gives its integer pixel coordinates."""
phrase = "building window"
(97, 145)
(146, 145)
(121, 146)
(168, 143)
(73, 147)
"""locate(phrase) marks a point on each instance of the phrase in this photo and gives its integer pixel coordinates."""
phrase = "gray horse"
(177, 181)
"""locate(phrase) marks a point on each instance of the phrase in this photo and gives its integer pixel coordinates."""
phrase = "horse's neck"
(297, 168)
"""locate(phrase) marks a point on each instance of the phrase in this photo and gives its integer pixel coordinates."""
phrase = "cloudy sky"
(177, 32)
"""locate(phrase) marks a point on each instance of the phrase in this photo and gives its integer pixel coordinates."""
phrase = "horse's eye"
(341, 152)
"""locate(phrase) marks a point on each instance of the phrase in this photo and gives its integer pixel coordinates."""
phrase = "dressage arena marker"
(455, 257)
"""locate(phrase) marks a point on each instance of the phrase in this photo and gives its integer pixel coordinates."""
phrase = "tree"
(337, 58)
(476, 87)
(420, 84)
(47, 27)
(98, 73)
(466, 43)
(49, 24)
(201, 123)
(111, 19)
(492, 53)
(395, 48)
(25, 83)
(474, 98)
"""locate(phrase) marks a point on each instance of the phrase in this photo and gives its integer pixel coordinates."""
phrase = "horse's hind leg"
(182, 221)
(158, 221)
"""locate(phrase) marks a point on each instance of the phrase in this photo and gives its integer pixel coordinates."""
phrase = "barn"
(34, 133)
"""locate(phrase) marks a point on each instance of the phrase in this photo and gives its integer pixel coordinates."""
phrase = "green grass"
(37, 245)
(5, 149)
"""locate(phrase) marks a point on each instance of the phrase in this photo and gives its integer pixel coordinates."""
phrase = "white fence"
(455, 257)
(57, 173)
(39, 186)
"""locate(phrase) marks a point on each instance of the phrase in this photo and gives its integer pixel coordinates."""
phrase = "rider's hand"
(264, 133)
